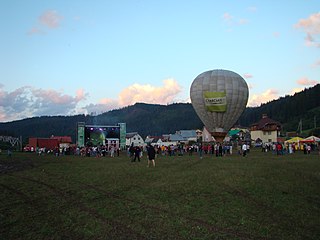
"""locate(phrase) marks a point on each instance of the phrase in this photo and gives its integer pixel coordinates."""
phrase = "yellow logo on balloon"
(215, 101)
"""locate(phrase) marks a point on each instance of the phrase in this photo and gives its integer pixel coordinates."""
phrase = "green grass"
(262, 196)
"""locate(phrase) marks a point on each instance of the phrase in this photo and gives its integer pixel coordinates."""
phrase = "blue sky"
(71, 57)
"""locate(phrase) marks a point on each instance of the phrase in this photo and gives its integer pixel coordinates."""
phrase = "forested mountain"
(289, 110)
(154, 119)
(147, 119)
(151, 119)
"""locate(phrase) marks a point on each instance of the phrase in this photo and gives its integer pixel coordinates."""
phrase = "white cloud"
(311, 27)
(104, 105)
(296, 90)
(150, 94)
(307, 82)
(247, 75)
(146, 93)
(50, 19)
(47, 20)
(136, 93)
(231, 20)
(28, 102)
(268, 95)
(81, 95)
(271, 94)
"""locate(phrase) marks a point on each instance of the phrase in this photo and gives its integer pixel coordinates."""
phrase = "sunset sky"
(71, 57)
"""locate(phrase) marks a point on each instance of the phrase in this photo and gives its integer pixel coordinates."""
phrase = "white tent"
(311, 139)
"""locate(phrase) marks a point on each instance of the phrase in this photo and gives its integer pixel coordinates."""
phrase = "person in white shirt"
(244, 149)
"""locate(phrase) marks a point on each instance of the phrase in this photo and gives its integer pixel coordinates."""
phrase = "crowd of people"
(181, 149)
(135, 153)
(88, 151)
(290, 148)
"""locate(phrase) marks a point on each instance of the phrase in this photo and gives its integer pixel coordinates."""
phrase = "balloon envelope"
(219, 97)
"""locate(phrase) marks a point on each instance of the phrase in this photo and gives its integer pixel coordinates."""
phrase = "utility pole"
(315, 122)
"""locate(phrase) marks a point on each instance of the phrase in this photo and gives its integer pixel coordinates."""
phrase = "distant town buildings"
(179, 137)
(265, 130)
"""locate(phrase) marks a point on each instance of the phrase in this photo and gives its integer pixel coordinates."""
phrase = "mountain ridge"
(157, 119)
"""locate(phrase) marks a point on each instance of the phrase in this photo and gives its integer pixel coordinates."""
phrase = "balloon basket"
(219, 136)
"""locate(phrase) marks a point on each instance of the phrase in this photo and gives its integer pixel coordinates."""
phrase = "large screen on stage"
(97, 135)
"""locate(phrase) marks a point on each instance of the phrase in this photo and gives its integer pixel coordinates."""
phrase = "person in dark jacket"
(131, 152)
(151, 155)
(137, 152)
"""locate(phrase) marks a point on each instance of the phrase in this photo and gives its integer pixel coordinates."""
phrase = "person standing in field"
(308, 149)
(200, 150)
(131, 152)
(112, 151)
(244, 149)
(118, 151)
(137, 153)
(151, 155)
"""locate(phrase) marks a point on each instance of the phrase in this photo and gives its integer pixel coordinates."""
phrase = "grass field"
(262, 196)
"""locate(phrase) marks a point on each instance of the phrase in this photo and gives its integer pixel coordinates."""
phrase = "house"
(266, 129)
(153, 140)
(149, 139)
(176, 138)
(188, 135)
(165, 137)
(168, 140)
(181, 136)
(135, 139)
(157, 141)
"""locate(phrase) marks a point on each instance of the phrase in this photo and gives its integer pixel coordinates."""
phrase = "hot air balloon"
(219, 97)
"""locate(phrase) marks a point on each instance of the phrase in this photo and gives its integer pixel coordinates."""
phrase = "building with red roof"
(267, 130)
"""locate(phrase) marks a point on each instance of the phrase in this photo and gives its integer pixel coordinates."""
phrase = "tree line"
(156, 119)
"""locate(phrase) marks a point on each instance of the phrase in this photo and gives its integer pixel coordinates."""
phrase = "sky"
(61, 57)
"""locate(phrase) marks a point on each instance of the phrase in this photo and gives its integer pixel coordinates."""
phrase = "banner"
(215, 101)
(123, 133)
(80, 134)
